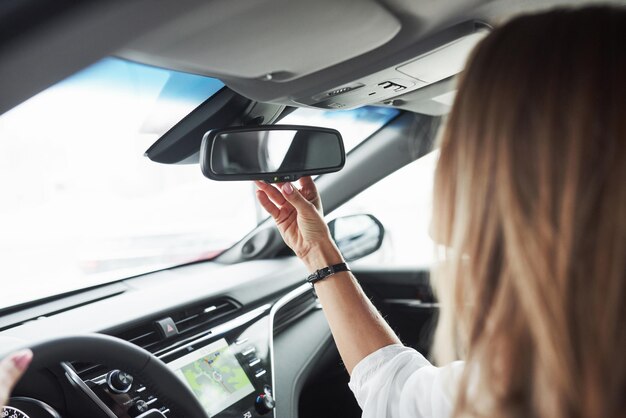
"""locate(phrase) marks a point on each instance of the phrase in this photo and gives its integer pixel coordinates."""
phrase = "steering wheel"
(119, 354)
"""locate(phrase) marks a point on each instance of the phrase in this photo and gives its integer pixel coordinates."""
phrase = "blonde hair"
(530, 201)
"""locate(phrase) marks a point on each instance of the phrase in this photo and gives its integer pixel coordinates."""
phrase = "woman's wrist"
(320, 256)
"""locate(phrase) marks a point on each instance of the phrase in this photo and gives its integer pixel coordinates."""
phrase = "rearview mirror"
(273, 153)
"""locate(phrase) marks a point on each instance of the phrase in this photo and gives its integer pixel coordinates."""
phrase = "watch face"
(10, 412)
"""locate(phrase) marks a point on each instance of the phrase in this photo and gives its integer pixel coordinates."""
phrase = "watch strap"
(327, 271)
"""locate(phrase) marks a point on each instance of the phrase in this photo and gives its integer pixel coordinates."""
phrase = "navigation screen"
(214, 376)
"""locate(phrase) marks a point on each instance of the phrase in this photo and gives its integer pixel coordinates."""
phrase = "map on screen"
(214, 376)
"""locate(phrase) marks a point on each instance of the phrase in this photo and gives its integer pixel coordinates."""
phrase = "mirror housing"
(271, 153)
(357, 236)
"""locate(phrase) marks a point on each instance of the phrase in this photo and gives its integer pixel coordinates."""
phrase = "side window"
(403, 203)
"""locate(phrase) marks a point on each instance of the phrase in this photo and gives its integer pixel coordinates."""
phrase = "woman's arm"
(356, 325)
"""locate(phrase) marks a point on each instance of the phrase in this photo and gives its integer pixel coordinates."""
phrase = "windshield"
(355, 125)
(82, 206)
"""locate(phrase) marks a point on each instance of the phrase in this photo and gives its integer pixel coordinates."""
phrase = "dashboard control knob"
(138, 408)
(265, 402)
(119, 381)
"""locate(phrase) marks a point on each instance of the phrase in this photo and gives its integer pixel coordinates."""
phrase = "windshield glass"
(354, 125)
(82, 206)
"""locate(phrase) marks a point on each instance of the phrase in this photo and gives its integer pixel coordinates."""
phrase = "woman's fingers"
(271, 192)
(307, 183)
(293, 196)
(11, 369)
(267, 204)
(307, 188)
(273, 199)
(309, 191)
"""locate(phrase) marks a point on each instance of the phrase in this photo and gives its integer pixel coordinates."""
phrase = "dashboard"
(226, 366)
(222, 330)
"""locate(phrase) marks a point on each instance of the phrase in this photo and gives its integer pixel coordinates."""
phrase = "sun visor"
(443, 57)
(279, 40)
(180, 145)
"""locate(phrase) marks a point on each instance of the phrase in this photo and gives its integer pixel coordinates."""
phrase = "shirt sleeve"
(398, 382)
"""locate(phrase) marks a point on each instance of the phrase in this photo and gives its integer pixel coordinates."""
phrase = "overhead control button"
(167, 327)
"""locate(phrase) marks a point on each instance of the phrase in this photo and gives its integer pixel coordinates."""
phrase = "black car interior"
(114, 349)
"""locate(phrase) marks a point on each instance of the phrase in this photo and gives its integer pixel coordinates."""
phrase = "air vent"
(88, 371)
(198, 317)
(294, 309)
(204, 314)
(144, 335)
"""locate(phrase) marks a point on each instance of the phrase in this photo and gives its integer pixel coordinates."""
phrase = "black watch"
(327, 271)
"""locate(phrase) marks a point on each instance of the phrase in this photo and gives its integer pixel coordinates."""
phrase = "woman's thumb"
(294, 197)
(11, 369)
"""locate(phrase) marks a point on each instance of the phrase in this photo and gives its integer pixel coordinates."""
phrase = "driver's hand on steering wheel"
(11, 369)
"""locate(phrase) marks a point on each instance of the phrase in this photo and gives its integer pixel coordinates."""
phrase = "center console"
(227, 367)
(220, 374)
(221, 350)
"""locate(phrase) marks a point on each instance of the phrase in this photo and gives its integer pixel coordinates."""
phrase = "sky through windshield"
(81, 204)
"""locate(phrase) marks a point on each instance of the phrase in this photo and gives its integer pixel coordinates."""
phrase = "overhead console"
(443, 60)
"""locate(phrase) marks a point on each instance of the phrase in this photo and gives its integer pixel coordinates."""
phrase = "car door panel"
(405, 299)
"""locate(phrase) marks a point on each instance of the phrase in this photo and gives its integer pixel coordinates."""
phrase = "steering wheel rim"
(119, 354)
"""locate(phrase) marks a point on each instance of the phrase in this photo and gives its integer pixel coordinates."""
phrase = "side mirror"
(357, 235)
(272, 153)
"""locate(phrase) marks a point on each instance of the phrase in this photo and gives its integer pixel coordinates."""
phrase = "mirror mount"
(270, 153)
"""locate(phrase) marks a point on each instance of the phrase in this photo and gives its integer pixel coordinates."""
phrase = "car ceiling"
(308, 47)
(277, 51)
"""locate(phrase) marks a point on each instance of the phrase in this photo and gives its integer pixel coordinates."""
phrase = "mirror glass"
(275, 151)
(357, 236)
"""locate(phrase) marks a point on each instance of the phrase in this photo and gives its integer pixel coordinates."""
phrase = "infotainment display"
(214, 376)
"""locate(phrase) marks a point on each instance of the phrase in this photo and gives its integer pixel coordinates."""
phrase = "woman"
(530, 205)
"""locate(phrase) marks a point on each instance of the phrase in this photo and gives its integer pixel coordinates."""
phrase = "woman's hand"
(299, 217)
(11, 369)
(357, 327)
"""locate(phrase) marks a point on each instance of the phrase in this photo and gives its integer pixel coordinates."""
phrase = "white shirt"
(398, 382)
